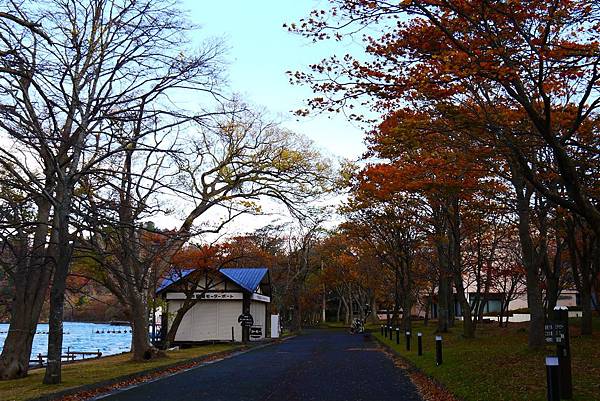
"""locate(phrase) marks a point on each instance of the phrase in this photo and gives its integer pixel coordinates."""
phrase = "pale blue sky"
(261, 51)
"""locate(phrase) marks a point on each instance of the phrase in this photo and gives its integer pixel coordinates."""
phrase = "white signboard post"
(275, 329)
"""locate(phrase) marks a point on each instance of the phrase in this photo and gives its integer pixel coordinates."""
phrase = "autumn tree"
(192, 268)
(527, 69)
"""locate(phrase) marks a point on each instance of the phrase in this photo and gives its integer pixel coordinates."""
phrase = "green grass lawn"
(497, 364)
(93, 371)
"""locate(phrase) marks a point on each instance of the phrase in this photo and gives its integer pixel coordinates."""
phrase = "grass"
(498, 366)
(98, 370)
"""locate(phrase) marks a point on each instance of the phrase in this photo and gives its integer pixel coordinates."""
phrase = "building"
(223, 297)
(492, 303)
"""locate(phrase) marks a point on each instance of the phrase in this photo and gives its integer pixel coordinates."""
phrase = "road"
(320, 365)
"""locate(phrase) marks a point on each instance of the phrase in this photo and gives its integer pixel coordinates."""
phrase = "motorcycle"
(357, 326)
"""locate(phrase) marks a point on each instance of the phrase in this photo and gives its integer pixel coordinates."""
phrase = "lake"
(82, 337)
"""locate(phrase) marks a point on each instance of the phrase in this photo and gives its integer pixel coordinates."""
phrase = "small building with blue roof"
(220, 299)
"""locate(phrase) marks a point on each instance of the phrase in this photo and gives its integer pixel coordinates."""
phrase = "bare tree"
(230, 161)
(108, 61)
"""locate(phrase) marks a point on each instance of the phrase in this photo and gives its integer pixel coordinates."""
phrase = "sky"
(260, 53)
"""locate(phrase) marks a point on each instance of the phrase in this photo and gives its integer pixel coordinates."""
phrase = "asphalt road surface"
(320, 365)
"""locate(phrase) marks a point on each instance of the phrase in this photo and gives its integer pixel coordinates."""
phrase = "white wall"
(209, 320)
(258, 312)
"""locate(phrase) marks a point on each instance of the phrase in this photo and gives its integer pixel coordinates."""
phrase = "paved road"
(321, 365)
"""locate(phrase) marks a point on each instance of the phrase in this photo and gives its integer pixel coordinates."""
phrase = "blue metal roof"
(248, 279)
(174, 276)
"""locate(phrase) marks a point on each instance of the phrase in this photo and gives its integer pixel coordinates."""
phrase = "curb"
(214, 357)
(412, 368)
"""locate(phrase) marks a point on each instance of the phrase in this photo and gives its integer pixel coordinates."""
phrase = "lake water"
(81, 337)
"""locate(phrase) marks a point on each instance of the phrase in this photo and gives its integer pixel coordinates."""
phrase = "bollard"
(382, 329)
(398, 336)
(438, 350)
(232, 334)
(563, 352)
(552, 378)
(386, 330)
(419, 344)
(407, 334)
(392, 333)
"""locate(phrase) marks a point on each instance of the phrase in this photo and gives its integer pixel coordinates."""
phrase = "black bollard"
(391, 333)
(398, 336)
(232, 334)
(552, 378)
(386, 330)
(407, 334)
(563, 351)
(438, 350)
(419, 344)
(382, 329)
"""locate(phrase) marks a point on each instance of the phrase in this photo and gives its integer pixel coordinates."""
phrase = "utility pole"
(324, 297)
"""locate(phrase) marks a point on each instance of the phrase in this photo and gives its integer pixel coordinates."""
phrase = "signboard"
(260, 297)
(256, 332)
(209, 296)
(246, 320)
(554, 332)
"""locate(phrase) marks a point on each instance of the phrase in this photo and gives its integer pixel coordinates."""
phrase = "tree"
(203, 261)
(234, 159)
(108, 61)
(539, 57)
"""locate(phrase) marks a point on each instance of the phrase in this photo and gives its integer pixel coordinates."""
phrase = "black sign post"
(246, 320)
(557, 332)
(563, 351)
(256, 332)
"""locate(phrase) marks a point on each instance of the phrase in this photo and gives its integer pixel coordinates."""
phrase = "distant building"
(224, 295)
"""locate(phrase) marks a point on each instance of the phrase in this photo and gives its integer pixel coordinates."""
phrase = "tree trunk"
(31, 284)
(586, 308)
(443, 315)
(141, 347)
(173, 327)
(324, 306)
(373, 318)
(530, 261)
(339, 310)
(57, 297)
(14, 362)
(468, 324)
(406, 308)
(346, 311)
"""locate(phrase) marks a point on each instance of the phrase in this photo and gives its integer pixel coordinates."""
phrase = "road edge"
(150, 375)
